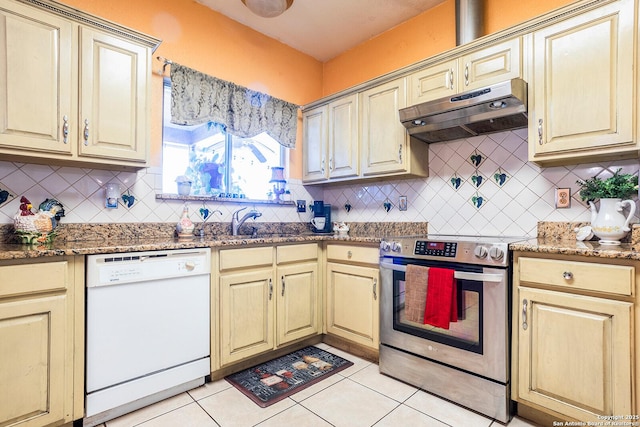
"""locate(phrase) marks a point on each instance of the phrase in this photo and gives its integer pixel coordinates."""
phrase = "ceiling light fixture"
(268, 8)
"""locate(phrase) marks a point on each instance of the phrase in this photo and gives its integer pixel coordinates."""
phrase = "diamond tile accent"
(514, 207)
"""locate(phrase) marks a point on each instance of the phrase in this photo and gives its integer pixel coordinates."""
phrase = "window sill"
(168, 196)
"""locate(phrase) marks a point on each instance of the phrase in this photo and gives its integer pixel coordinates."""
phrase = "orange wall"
(196, 36)
(426, 35)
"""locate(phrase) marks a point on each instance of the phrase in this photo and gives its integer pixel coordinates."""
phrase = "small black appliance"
(322, 210)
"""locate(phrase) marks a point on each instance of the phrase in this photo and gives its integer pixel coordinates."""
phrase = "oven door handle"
(480, 277)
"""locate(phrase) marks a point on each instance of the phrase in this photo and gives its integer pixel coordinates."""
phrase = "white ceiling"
(325, 28)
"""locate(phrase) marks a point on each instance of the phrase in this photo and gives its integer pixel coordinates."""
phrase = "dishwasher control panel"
(107, 269)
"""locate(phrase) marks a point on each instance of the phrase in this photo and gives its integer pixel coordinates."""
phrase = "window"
(217, 163)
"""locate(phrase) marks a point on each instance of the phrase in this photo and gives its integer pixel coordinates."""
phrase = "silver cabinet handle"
(86, 132)
(322, 166)
(270, 289)
(400, 154)
(466, 74)
(349, 254)
(567, 275)
(540, 131)
(282, 285)
(451, 79)
(375, 289)
(330, 164)
(65, 128)
(524, 314)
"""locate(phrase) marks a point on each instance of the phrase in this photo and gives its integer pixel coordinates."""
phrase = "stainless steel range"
(466, 358)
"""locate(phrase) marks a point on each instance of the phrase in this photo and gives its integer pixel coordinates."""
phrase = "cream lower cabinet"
(268, 298)
(74, 89)
(298, 301)
(41, 336)
(573, 344)
(352, 288)
(581, 93)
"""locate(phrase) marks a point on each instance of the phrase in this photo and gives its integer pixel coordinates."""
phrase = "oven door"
(477, 342)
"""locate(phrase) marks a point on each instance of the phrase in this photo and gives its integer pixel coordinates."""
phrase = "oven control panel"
(439, 249)
(478, 252)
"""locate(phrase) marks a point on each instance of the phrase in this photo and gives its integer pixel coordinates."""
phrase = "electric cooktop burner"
(482, 250)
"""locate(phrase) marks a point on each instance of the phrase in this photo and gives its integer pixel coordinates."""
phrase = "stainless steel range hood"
(491, 109)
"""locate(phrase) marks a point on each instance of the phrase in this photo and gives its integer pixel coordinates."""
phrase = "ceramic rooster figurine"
(37, 226)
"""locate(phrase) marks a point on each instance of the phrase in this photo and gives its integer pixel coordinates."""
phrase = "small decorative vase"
(185, 226)
(609, 223)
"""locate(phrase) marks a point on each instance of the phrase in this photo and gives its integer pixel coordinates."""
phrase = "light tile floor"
(358, 396)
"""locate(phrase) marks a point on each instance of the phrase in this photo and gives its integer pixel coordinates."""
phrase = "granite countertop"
(574, 247)
(88, 239)
(560, 238)
(552, 238)
(118, 245)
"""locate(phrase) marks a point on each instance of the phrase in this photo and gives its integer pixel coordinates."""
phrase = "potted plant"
(609, 224)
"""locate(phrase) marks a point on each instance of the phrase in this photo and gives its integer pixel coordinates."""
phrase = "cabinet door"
(384, 139)
(114, 97)
(246, 314)
(582, 84)
(434, 82)
(297, 302)
(35, 80)
(34, 363)
(343, 137)
(352, 303)
(490, 65)
(574, 353)
(314, 139)
(484, 67)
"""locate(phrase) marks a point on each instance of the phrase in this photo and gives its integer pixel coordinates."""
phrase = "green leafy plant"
(618, 186)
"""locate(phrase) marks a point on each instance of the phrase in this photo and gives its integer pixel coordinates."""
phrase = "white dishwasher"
(147, 328)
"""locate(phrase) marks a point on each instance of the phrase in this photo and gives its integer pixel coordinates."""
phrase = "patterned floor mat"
(279, 378)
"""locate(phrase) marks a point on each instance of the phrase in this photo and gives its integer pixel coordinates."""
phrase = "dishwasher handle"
(481, 277)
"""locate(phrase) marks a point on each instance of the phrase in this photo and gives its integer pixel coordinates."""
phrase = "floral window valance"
(198, 98)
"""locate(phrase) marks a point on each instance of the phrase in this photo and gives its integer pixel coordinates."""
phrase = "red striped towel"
(441, 306)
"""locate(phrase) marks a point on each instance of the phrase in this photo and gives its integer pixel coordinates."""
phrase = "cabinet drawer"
(292, 253)
(30, 278)
(246, 257)
(349, 253)
(613, 279)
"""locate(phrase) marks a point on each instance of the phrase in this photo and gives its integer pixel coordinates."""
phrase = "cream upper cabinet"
(343, 138)
(36, 80)
(573, 344)
(315, 140)
(330, 135)
(352, 307)
(581, 104)
(484, 67)
(114, 97)
(386, 148)
(41, 331)
(360, 136)
(73, 91)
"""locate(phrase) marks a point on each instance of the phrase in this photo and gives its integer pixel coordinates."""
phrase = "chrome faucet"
(236, 221)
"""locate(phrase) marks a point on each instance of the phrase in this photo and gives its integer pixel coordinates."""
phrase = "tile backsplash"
(481, 185)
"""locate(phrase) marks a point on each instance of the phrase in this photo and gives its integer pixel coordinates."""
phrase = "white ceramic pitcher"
(610, 224)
